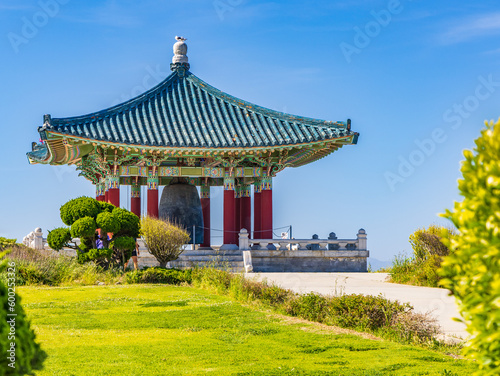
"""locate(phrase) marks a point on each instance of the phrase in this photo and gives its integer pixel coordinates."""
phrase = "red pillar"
(152, 194)
(205, 207)
(257, 219)
(237, 223)
(99, 194)
(245, 208)
(267, 208)
(114, 190)
(229, 211)
(135, 199)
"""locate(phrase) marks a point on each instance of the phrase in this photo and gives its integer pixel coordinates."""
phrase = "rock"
(101, 284)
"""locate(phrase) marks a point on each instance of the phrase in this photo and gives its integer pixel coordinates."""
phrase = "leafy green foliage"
(123, 246)
(59, 238)
(37, 268)
(85, 215)
(83, 228)
(78, 208)
(107, 222)
(20, 353)
(427, 242)
(105, 206)
(472, 270)
(102, 255)
(4, 242)
(129, 223)
(124, 243)
(159, 275)
(163, 239)
(428, 251)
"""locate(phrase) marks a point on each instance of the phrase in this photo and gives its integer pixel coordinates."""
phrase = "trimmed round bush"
(98, 254)
(58, 238)
(130, 223)
(124, 243)
(105, 206)
(78, 208)
(83, 227)
(107, 222)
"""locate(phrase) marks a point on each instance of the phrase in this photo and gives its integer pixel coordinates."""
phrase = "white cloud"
(471, 28)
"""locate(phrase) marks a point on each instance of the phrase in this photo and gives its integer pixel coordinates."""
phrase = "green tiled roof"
(184, 111)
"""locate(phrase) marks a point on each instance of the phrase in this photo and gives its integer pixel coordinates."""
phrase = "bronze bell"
(180, 203)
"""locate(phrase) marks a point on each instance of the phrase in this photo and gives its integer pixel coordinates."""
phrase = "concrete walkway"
(423, 299)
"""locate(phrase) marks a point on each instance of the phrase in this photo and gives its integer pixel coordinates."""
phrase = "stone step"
(234, 266)
(210, 258)
(211, 252)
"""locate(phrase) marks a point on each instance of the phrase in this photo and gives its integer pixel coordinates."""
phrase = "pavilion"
(185, 128)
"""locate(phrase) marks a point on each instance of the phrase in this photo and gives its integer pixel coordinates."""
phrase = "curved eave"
(70, 155)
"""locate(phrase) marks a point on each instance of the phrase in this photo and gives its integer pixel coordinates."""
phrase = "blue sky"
(417, 78)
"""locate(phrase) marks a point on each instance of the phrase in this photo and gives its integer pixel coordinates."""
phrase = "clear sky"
(417, 78)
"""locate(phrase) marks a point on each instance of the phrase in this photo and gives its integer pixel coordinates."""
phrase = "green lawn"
(170, 330)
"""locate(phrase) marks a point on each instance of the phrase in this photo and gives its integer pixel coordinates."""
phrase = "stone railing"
(35, 239)
(358, 244)
(314, 254)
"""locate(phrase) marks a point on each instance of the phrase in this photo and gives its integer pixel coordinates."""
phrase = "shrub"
(472, 270)
(163, 239)
(123, 247)
(83, 228)
(311, 307)
(4, 242)
(85, 215)
(39, 268)
(101, 256)
(107, 222)
(427, 242)
(78, 208)
(105, 206)
(58, 238)
(410, 326)
(428, 250)
(365, 311)
(129, 223)
(28, 355)
(158, 275)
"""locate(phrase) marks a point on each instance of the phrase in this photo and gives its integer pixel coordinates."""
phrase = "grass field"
(172, 330)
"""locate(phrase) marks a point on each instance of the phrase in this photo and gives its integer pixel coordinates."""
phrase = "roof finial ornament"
(180, 60)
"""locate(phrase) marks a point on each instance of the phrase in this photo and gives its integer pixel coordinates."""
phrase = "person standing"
(135, 253)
